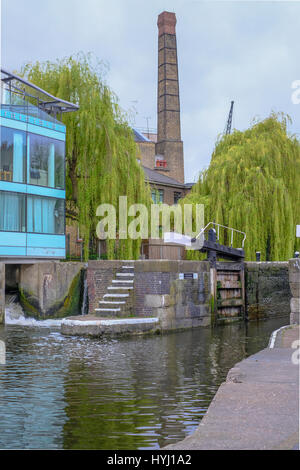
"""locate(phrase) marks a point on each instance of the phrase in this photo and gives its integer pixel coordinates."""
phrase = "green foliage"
(100, 150)
(253, 185)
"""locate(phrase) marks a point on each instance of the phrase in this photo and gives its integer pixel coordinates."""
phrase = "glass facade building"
(32, 175)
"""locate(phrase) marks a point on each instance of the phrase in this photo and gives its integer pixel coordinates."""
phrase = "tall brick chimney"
(169, 143)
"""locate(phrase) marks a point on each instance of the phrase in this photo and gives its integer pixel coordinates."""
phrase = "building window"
(13, 155)
(45, 215)
(59, 164)
(12, 212)
(46, 161)
(177, 196)
(157, 195)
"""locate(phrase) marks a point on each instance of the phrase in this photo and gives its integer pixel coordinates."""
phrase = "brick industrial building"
(161, 154)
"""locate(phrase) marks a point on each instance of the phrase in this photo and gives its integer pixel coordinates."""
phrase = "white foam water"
(14, 315)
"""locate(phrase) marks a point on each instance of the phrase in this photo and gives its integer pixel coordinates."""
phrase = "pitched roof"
(139, 137)
(189, 185)
(154, 177)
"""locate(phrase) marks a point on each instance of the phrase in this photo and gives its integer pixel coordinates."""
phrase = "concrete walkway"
(257, 407)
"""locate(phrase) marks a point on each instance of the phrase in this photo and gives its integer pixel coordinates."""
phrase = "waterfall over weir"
(14, 315)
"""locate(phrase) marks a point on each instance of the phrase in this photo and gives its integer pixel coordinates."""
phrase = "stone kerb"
(294, 279)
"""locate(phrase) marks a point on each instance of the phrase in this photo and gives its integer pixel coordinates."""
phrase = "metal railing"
(232, 230)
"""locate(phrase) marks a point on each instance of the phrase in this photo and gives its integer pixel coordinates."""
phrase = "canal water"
(61, 392)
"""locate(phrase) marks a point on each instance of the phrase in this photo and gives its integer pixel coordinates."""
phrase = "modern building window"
(177, 196)
(157, 195)
(45, 215)
(13, 155)
(46, 161)
(59, 165)
(12, 212)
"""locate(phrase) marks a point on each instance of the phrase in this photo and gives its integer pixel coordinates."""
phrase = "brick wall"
(99, 276)
(147, 154)
(158, 291)
(169, 142)
(178, 303)
(168, 192)
(73, 248)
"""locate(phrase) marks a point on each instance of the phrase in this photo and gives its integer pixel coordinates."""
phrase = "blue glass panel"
(13, 187)
(43, 241)
(45, 215)
(46, 132)
(12, 212)
(42, 191)
(46, 252)
(11, 123)
(13, 239)
(25, 112)
(46, 161)
(13, 155)
(12, 251)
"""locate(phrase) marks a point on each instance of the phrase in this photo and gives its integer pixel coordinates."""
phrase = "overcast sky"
(246, 51)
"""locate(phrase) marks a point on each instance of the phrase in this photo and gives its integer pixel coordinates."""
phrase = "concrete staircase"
(117, 301)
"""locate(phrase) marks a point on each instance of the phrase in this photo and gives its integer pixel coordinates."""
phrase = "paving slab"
(288, 336)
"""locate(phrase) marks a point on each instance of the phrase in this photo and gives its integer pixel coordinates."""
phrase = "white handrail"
(218, 235)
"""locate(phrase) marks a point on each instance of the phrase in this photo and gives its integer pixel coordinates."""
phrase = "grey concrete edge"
(276, 336)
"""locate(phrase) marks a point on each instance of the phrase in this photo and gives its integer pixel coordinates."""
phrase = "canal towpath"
(257, 408)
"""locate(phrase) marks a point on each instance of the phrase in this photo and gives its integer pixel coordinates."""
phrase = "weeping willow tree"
(253, 185)
(101, 162)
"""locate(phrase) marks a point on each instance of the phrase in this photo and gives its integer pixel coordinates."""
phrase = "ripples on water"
(61, 392)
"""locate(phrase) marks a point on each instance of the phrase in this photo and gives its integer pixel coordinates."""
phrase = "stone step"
(128, 267)
(110, 310)
(119, 288)
(123, 281)
(125, 274)
(112, 302)
(115, 295)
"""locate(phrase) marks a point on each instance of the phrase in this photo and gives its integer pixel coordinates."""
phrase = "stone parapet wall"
(158, 290)
(267, 289)
(178, 303)
(294, 279)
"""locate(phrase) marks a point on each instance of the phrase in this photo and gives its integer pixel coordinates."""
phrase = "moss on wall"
(29, 304)
(69, 305)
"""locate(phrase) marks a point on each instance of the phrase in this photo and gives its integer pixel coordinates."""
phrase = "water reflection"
(138, 393)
